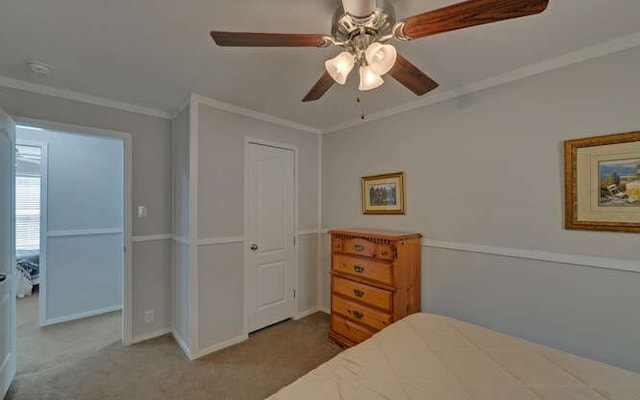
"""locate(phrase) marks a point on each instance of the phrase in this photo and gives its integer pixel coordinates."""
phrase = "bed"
(427, 356)
(28, 271)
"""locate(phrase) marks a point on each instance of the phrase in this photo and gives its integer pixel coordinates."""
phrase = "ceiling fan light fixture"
(362, 28)
(381, 57)
(369, 79)
(340, 66)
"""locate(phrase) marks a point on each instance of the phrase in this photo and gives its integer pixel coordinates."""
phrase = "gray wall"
(151, 187)
(220, 214)
(85, 179)
(180, 227)
(487, 169)
(85, 185)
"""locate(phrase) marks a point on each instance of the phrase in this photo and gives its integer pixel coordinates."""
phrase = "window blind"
(27, 212)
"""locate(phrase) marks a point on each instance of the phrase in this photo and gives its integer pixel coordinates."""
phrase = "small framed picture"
(602, 183)
(383, 194)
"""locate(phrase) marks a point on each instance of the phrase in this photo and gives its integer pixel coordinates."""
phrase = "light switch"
(142, 211)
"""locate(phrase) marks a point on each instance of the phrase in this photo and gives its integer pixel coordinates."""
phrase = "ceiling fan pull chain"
(361, 108)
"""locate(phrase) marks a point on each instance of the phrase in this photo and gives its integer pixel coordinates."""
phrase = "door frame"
(8, 372)
(127, 140)
(247, 142)
(44, 187)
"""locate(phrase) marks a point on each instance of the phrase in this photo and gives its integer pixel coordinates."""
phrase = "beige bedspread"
(427, 356)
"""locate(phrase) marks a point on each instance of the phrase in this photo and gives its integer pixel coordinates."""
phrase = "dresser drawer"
(384, 252)
(349, 329)
(369, 295)
(359, 246)
(360, 313)
(378, 271)
(364, 248)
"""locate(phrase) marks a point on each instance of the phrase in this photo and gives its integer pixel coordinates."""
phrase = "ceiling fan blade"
(324, 83)
(466, 14)
(247, 39)
(411, 77)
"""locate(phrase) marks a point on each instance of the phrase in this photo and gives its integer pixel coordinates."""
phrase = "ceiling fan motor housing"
(355, 33)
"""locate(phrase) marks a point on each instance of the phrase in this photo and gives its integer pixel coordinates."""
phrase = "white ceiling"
(153, 53)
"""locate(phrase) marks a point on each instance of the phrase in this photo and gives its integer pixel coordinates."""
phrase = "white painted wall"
(85, 178)
(181, 320)
(487, 169)
(220, 214)
(151, 187)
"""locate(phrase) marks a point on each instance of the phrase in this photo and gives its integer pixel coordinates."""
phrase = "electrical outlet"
(149, 316)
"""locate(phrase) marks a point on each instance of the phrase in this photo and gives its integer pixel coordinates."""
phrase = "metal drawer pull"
(358, 269)
(383, 252)
(358, 247)
(3, 277)
(358, 292)
(358, 314)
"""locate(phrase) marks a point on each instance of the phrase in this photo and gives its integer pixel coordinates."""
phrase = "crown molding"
(603, 49)
(220, 105)
(183, 106)
(588, 53)
(80, 97)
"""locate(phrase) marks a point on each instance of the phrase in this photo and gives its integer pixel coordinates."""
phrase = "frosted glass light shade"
(340, 66)
(381, 57)
(369, 79)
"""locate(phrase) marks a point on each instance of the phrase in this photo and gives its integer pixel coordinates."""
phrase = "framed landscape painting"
(602, 183)
(383, 194)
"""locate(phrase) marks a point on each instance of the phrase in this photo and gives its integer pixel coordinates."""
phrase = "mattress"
(427, 356)
(28, 263)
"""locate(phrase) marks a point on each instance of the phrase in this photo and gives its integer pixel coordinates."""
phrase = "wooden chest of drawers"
(375, 280)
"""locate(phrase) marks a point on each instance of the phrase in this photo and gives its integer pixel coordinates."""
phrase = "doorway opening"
(72, 232)
(28, 209)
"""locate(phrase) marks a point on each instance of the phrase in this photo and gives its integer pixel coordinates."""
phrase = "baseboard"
(151, 335)
(86, 314)
(325, 310)
(181, 343)
(9, 368)
(304, 314)
(221, 345)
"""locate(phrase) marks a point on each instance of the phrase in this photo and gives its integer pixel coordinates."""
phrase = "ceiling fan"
(362, 29)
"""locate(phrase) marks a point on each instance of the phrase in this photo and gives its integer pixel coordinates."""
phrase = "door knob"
(3, 277)
(253, 247)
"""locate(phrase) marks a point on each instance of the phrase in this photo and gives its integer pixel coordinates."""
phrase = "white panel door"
(270, 237)
(7, 253)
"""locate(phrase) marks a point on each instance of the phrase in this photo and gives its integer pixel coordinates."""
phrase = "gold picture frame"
(383, 194)
(602, 183)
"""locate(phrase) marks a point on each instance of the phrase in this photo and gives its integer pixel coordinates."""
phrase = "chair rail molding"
(537, 255)
(152, 238)
(85, 232)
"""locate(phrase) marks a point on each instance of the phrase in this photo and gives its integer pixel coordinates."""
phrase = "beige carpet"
(40, 349)
(70, 365)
